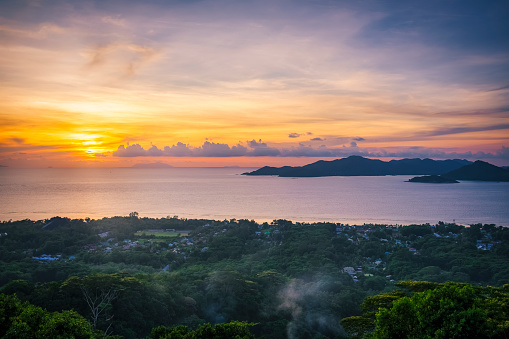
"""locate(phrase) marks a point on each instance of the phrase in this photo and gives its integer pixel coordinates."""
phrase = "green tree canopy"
(231, 330)
(24, 320)
(431, 310)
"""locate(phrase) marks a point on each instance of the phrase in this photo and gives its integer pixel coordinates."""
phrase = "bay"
(222, 193)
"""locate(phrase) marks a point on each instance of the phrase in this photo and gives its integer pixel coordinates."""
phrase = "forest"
(134, 277)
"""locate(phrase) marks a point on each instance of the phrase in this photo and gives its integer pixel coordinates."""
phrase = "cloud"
(128, 57)
(117, 21)
(208, 149)
(261, 149)
(256, 144)
(211, 149)
(134, 150)
(503, 153)
(498, 88)
(308, 151)
(458, 130)
(255, 148)
(317, 139)
(6, 148)
(434, 153)
(39, 32)
(18, 140)
(359, 139)
(485, 112)
(294, 135)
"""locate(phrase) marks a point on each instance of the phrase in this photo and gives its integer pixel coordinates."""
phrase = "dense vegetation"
(129, 276)
(421, 309)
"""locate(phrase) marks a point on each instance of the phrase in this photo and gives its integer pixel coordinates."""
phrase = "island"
(359, 166)
(433, 179)
(479, 171)
(152, 165)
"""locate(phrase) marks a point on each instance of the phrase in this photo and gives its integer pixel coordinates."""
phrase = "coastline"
(348, 222)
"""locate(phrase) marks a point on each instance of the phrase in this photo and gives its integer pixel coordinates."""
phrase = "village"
(184, 243)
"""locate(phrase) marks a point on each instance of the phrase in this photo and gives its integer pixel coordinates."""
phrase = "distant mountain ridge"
(359, 166)
(152, 165)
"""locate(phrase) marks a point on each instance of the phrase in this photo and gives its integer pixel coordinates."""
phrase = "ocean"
(222, 193)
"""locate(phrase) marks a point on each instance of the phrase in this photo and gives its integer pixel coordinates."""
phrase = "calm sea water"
(222, 193)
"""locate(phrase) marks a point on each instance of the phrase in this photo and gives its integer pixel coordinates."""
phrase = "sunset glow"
(251, 83)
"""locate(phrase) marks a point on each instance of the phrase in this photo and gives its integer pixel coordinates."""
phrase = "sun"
(88, 144)
(93, 150)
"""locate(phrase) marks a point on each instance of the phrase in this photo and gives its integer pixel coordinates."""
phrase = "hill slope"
(479, 170)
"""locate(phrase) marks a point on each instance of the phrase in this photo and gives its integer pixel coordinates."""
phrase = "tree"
(450, 311)
(356, 326)
(98, 291)
(234, 329)
(432, 310)
(24, 320)
(98, 300)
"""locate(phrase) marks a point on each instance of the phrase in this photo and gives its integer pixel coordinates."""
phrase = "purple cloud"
(208, 149)
(134, 150)
(258, 148)
(211, 149)
(256, 144)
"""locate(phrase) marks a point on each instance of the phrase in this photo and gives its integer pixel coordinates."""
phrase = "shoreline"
(347, 222)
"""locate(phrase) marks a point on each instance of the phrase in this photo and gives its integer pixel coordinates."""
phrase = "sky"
(113, 83)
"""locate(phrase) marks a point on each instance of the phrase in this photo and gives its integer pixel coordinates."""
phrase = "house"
(350, 270)
(359, 228)
(90, 247)
(47, 258)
